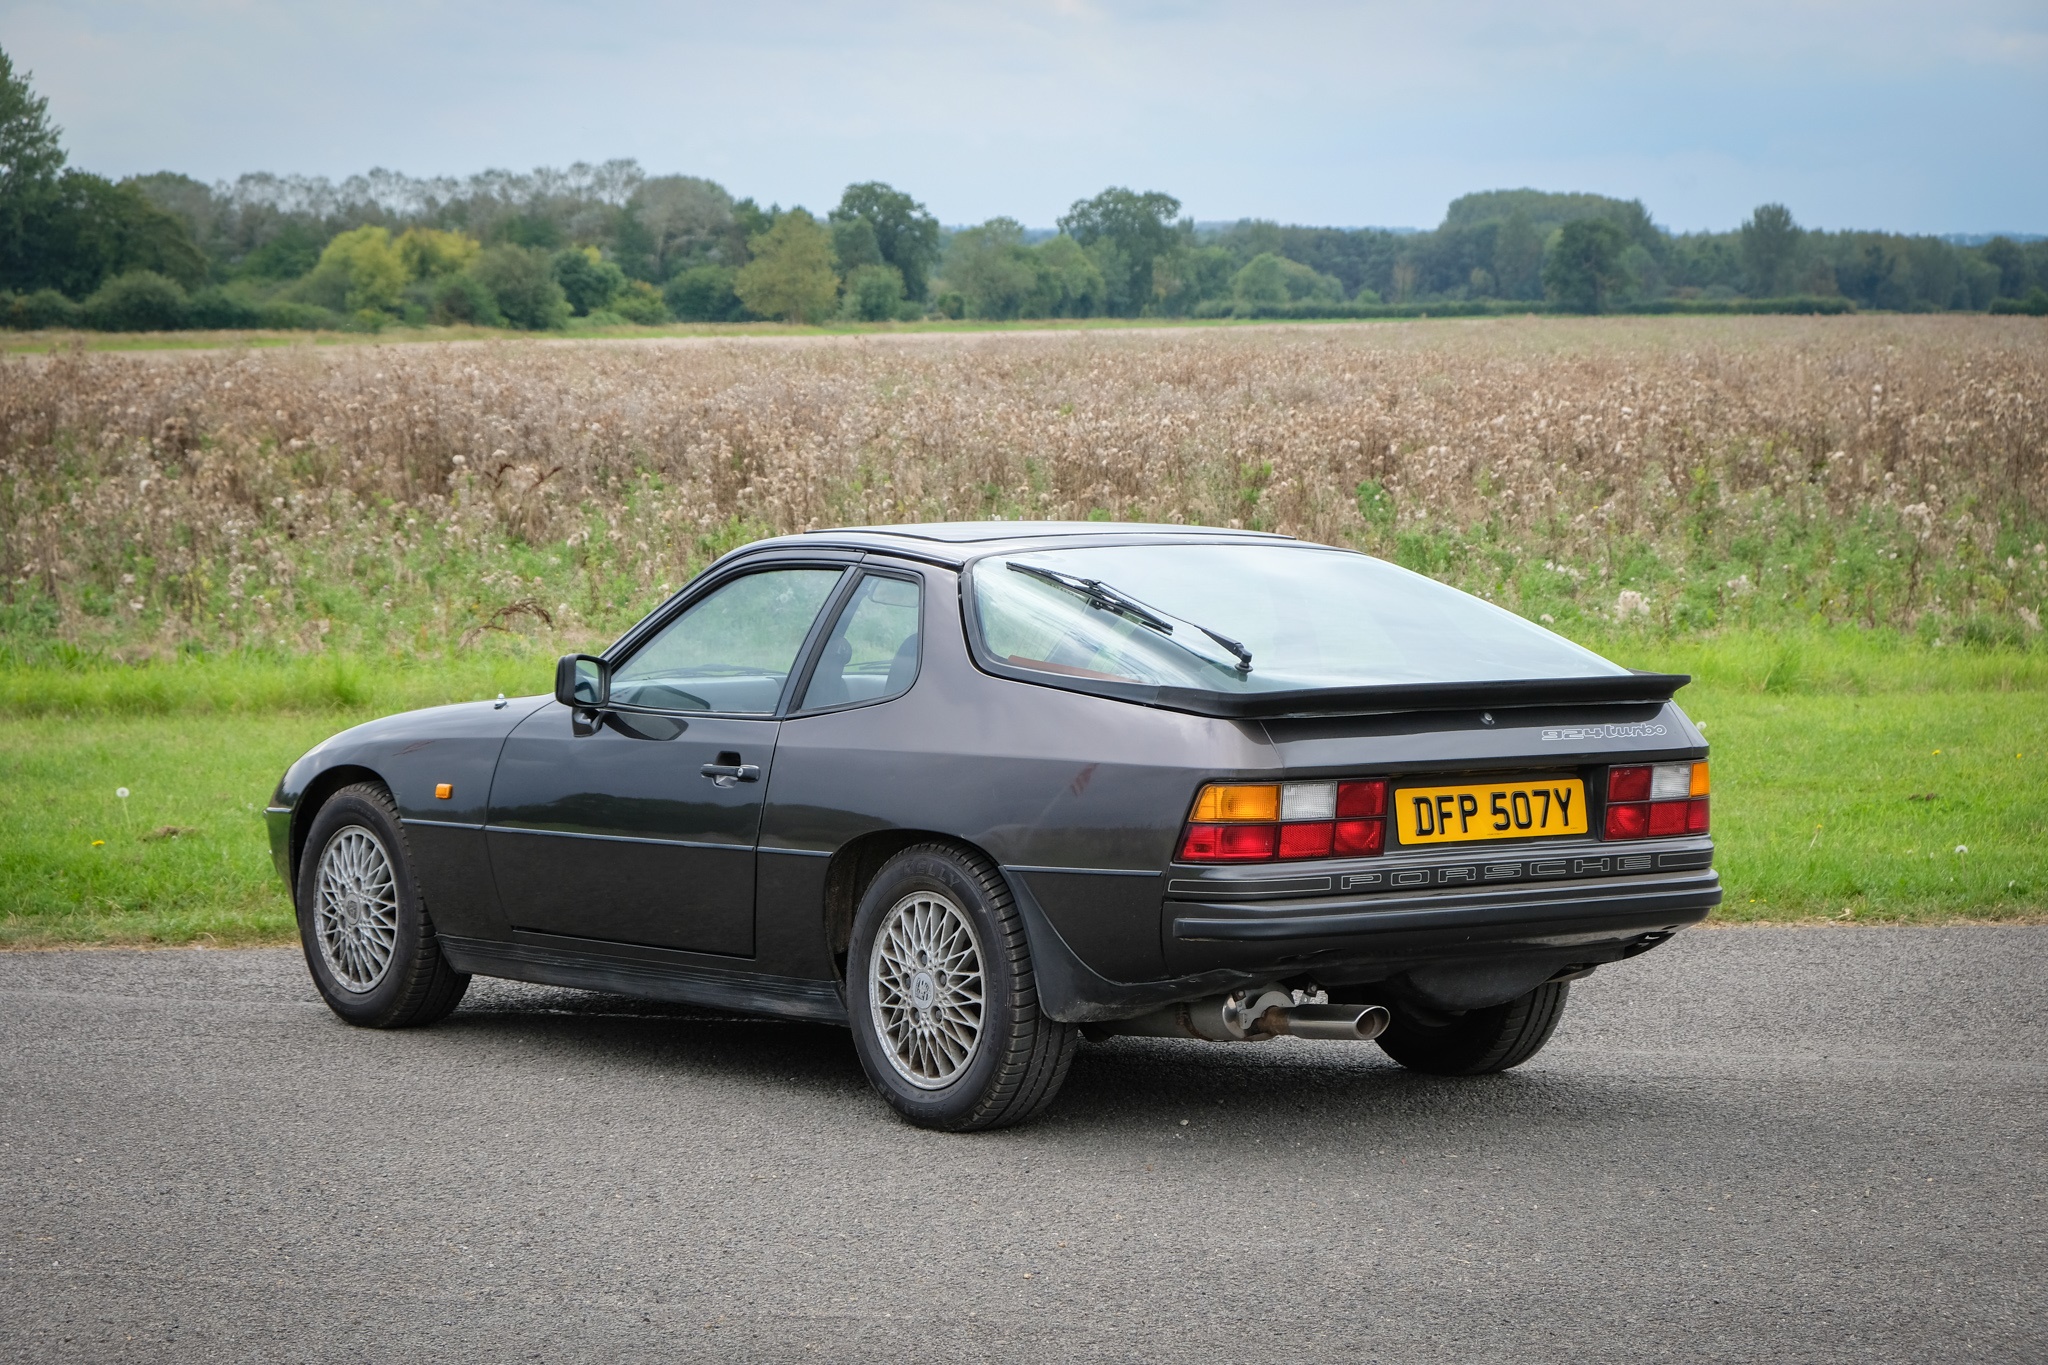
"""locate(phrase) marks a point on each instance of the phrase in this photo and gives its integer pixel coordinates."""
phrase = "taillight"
(1286, 821)
(1658, 801)
(1230, 843)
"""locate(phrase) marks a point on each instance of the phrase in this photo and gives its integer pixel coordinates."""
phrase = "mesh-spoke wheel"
(356, 917)
(927, 989)
(942, 997)
(369, 941)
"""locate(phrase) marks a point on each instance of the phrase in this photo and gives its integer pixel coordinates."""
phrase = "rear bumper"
(1214, 946)
(1603, 907)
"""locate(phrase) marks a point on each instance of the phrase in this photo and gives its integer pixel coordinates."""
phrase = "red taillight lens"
(1696, 815)
(1309, 840)
(1628, 784)
(1360, 838)
(1630, 821)
(1361, 800)
(1667, 818)
(1229, 843)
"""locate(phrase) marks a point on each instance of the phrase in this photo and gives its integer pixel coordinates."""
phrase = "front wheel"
(368, 941)
(1479, 1041)
(942, 999)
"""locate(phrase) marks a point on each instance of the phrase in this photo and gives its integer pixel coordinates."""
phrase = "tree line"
(611, 244)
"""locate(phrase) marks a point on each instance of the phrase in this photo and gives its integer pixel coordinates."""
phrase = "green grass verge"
(1822, 743)
(82, 865)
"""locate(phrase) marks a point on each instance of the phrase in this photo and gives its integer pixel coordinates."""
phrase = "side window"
(731, 651)
(871, 654)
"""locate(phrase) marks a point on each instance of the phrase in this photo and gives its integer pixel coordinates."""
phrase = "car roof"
(956, 542)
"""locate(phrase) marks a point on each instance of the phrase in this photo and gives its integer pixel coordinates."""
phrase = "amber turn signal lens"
(443, 790)
(1235, 803)
(1699, 779)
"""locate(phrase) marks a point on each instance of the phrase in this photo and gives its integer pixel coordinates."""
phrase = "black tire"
(415, 985)
(1018, 1057)
(1480, 1041)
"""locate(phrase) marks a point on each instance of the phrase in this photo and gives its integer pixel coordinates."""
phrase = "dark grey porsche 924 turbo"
(977, 790)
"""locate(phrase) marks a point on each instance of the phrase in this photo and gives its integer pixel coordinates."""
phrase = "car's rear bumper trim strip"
(1684, 896)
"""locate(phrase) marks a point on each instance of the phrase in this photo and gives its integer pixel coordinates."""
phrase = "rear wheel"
(1479, 1041)
(942, 999)
(366, 934)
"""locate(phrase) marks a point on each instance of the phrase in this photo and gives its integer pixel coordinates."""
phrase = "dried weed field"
(1674, 474)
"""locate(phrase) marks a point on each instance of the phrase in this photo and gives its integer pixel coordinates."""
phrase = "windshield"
(1311, 618)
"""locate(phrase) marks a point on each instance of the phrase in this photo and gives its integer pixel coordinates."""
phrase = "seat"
(902, 668)
(828, 680)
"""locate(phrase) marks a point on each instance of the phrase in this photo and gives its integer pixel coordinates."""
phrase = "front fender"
(414, 756)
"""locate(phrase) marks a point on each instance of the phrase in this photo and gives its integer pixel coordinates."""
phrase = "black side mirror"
(583, 681)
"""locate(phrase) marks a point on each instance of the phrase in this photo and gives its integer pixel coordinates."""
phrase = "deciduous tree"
(874, 293)
(522, 284)
(790, 276)
(1770, 239)
(671, 222)
(1126, 233)
(590, 281)
(992, 268)
(359, 270)
(704, 293)
(430, 252)
(905, 234)
(1067, 285)
(1583, 270)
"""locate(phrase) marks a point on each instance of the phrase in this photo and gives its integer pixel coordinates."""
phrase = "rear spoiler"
(1378, 700)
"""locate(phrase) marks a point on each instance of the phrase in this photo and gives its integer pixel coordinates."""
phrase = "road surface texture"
(1753, 1144)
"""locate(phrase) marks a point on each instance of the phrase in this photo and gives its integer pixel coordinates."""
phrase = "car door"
(638, 824)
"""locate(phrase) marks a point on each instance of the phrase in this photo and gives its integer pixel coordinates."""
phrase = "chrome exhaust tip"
(1345, 1023)
(1255, 1016)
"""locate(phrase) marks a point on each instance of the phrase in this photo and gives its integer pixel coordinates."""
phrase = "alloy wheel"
(927, 989)
(356, 911)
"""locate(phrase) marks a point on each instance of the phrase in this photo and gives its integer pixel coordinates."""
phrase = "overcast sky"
(1926, 117)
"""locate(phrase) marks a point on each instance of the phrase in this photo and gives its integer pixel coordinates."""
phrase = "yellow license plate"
(1492, 810)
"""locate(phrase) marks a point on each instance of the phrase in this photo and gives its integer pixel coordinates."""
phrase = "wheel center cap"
(923, 990)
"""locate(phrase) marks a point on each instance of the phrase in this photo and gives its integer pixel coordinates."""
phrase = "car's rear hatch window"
(1181, 617)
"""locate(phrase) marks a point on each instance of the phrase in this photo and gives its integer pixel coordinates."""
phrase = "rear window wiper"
(1103, 597)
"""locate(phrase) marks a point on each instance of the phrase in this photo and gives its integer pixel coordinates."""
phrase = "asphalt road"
(1750, 1145)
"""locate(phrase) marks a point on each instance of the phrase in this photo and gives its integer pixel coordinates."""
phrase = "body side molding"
(654, 974)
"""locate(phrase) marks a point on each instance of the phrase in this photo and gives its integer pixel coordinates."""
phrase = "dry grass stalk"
(253, 496)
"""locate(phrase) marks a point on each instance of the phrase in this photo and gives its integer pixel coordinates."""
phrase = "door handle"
(725, 774)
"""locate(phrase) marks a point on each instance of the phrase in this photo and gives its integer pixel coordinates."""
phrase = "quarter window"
(871, 654)
(730, 651)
